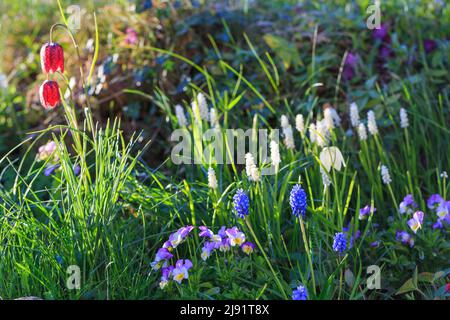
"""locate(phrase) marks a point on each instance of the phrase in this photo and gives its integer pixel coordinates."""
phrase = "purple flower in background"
(131, 37)
(351, 59)
(297, 200)
(349, 66)
(385, 52)
(434, 201)
(50, 169)
(181, 269)
(224, 245)
(241, 203)
(205, 232)
(416, 221)
(405, 238)
(438, 225)
(165, 274)
(364, 212)
(380, 33)
(248, 247)
(348, 73)
(163, 253)
(441, 222)
(375, 244)
(340, 242)
(208, 247)
(429, 45)
(179, 236)
(443, 209)
(161, 258)
(408, 204)
(222, 232)
(76, 170)
(167, 245)
(300, 293)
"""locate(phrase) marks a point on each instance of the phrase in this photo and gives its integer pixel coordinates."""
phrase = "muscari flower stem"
(266, 258)
(308, 252)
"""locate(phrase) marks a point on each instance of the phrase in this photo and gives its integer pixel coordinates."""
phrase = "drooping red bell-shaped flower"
(52, 58)
(49, 94)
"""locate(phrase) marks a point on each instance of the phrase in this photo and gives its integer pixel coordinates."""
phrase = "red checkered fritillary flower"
(49, 94)
(52, 58)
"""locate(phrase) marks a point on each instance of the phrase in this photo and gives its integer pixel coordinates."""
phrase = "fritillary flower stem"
(308, 252)
(266, 258)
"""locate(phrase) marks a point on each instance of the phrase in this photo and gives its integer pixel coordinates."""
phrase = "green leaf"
(408, 286)
(286, 51)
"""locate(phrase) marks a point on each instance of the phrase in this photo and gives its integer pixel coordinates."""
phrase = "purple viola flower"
(351, 60)
(434, 201)
(163, 253)
(429, 45)
(241, 203)
(235, 236)
(405, 238)
(438, 225)
(50, 169)
(180, 235)
(443, 209)
(416, 221)
(340, 242)
(161, 258)
(300, 293)
(375, 244)
(385, 52)
(248, 247)
(224, 245)
(348, 73)
(181, 269)
(208, 247)
(441, 222)
(407, 205)
(365, 212)
(222, 232)
(76, 170)
(381, 32)
(297, 200)
(167, 245)
(205, 232)
(166, 272)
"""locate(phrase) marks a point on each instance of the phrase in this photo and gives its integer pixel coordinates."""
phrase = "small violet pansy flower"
(181, 269)
(405, 238)
(364, 212)
(407, 205)
(235, 236)
(248, 247)
(416, 221)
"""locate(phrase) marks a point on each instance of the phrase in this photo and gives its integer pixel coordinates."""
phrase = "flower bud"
(49, 94)
(52, 58)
